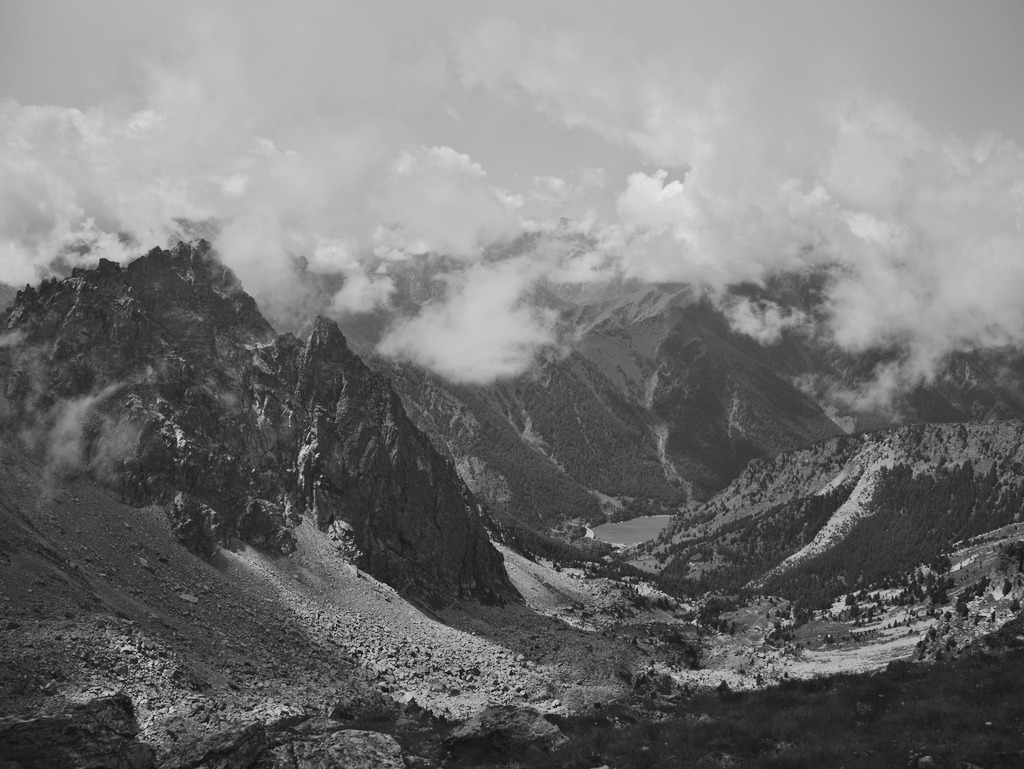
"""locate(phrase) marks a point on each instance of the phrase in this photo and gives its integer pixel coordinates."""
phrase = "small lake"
(632, 532)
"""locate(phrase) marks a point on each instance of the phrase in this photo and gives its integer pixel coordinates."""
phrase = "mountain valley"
(511, 385)
(658, 400)
(237, 546)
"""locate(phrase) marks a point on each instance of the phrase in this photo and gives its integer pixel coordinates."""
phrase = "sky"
(708, 143)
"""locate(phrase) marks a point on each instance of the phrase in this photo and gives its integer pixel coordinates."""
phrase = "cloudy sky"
(712, 143)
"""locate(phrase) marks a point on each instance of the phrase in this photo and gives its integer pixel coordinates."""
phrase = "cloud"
(685, 230)
(931, 259)
(11, 339)
(591, 80)
(66, 440)
(550, 203)
(74, 182)
(90, 185)
(361, 292)
(485, 329)
(764, 321)
(277, 161)
(919, 232)
(737, 175)
(275, 153)
(437, 200)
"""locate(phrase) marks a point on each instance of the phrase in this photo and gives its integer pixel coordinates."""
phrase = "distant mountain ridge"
(659, 402)
(656, 402)
(164, 382)
(850, 512)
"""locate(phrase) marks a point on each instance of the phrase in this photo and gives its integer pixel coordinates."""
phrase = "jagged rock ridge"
(163, 381)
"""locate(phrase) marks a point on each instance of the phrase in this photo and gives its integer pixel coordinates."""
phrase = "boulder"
(354, 704)
(350, 749)
(100, 733)
(238, 747)
(502, 729)
(315, 743)
(197, 526)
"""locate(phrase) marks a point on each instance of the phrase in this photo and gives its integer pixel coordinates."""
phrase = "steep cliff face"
(164, 383)
(362, 461)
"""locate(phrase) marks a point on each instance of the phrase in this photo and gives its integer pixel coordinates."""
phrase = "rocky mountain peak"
(191, 279)
(112, 323)
(326, 363)
(168, 386)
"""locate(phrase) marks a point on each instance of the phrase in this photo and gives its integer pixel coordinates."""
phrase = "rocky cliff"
(163, 382)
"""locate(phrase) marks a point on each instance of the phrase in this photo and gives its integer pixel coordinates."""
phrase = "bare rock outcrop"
(501, 730)
(232, 748)
(254, 746)
(100, 733)
(351, 749)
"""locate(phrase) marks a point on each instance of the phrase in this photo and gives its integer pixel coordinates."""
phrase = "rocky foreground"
(98, 599)
(113, 631)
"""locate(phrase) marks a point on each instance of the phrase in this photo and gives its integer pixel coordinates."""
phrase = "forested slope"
(859, 510)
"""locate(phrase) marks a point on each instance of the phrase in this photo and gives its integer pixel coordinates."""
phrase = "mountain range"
(656, 399)
(851, 512)
(229, 546)
(164, 383)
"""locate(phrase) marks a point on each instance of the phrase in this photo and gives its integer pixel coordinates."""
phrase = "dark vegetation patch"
(746, 548)
(968, 711)
(597, 434)
(916, 519)
(597, 558)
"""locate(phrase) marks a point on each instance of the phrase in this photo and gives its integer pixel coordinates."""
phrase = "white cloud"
(436, 200)
(75, 179)
(763, 321)
(650, 203)
(921, 232)
(738, 176)
(113, 186)
(361, 291)
(485, 329)
(593, 82)
(11, 339)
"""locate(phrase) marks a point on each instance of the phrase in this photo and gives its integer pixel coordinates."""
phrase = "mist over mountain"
(656, 396)
(911, 222)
